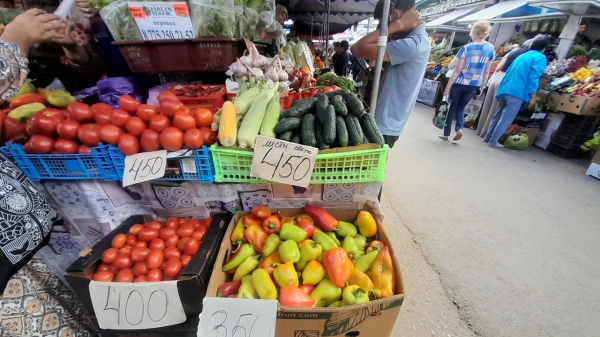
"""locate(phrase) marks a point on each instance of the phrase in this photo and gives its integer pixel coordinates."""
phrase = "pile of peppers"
(310, 260)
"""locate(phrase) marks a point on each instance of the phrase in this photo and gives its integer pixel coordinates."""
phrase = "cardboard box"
(594, 170)
(375, 318)
(532, 135)
(549, 126)
(578, 105)
(191, 287)
(596, 158)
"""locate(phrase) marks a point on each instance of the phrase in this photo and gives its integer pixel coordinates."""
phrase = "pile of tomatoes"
(152, 252)
(134, 127)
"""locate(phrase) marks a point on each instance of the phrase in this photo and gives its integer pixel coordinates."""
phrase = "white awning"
(494, 11)
(450, 17)
(590, 8)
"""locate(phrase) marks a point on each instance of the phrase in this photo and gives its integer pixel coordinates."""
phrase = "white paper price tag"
(144, 166)
(122, 306)
(162, 20)
(283, 162)
(232, 317)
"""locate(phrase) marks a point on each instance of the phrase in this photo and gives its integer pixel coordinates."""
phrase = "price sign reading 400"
(232, 317)
(283, 162)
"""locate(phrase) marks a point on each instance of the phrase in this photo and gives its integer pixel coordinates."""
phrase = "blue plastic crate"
(198, 166)
(96, 165)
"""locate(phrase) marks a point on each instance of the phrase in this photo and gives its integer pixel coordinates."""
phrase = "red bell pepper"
(229, 288)
(308, 227)
(307, 289)
(337, 263)
(13, 129)
(292, 296)
(323, 219)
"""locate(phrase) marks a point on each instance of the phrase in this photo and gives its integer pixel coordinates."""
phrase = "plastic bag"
(517, 142)
(69, 11)
(470, 120)
(441, 112)
(246, 20)
(535, 26)
(527, 27)
(266, 16)
(554, 26)
(111, 89)
(213, 18)
(545, 26)
(119, 22)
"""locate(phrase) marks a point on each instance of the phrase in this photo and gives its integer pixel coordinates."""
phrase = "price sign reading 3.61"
(283, 162)
(144, 166)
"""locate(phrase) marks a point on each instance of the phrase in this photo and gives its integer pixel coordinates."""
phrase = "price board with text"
(232, 317)
(144, 167)
(162, 20)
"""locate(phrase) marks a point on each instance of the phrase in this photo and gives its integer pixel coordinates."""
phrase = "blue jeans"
(508, 108)
(459, 97)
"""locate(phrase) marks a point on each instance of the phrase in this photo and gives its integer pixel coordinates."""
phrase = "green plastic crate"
(362, 166)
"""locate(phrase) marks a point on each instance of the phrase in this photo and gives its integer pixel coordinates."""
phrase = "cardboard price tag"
(144, 166)
(283, 162)
(121, 306)
(162, 20)
(232, 317)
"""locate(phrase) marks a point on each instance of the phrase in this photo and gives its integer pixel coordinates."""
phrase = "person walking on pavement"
(518, 86)
(469, 77)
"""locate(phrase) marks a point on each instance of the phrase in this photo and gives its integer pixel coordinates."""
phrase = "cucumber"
(321, 144)
(370, 129)
(332, 94)
(355, 133)
(329, 125)
(322, 103)
(287, 124)
(308, 130)
(340, 105)
(287, 136)
(301, 108)
(297, 139)
(340, 131)
(354, 104)
(365, 139)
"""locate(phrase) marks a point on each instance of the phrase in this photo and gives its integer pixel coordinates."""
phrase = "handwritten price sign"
(144, 166)
(122, 306)
(232, 317)
(283, 162)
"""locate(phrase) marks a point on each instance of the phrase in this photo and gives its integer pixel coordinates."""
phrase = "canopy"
(590, 8)
(509, 11)
(443, 21)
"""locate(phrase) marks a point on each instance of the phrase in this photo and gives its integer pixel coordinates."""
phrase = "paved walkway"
(511, 238)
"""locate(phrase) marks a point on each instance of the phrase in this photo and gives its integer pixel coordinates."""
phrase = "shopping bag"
(470, 120)
(441, 112)
(517, 142)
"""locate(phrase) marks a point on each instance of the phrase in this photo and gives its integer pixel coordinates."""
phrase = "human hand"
(84, 8)
(32, 27)
(66, 39)
(409, 20)
(531, 103)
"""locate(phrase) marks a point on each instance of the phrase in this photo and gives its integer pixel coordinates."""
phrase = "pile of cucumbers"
(328, 120)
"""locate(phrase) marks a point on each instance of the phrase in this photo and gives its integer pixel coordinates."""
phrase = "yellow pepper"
(247, 289)
(59, 98)
(366, 224)
(360, 279)
(382, 274)
(286, 275)
(354, 295)
(261, 280)
(313, 273)
(238, 232)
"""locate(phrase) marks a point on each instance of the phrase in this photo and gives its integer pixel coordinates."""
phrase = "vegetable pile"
(311, 260)
(558, 67)
(328, 120)
(152, 252)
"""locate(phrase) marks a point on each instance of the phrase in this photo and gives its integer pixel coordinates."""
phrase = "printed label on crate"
(283, 162)
(144, 166)
(162, 20)
(232, 317)
(123, 306)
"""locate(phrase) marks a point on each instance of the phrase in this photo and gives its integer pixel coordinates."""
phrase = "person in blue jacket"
(518, 86)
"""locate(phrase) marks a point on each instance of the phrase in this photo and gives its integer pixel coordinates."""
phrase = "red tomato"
(202, 229)
(89, 134)
(169, 107)
(335, 87)
(122, 262)
(182, 243)
(171, 138)
(109, 255)
(135, 229)
(128, 144)
(119, 240)
(197, 235)
(41, 144)
(185, 260)
(141, 278)
(149, 140)
(148, 234)
(104, 276)
(166, 95)
(191, 247)
(131, 240)
(135, 126)
(125, 250)
(154, 225)
(110, 134)
(183, 121)
(185, 231)
(146, 112)
(182, 221)
(202, 116)
(157, 244)
(173, 267)
(210, 137)
(194, 222)
(102, 117)
(172, 241)
(327, 89)
(104, 267)
(171, 252)
(140, 244)
(207, 221)
(154, 275)
(159, 122)
(172, 223)
(125, 275)
(80, 112)
(83, 149)
(67, 129)
(139, 269)
(128, 103)
(139, 254)
(166, 232)
(193, 139)
(101, 107)
(155, 259)
(65, 146)
(119, 118)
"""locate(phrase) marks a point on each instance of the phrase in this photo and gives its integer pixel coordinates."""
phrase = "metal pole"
(381, 43)
(326, 29)
(312, 20)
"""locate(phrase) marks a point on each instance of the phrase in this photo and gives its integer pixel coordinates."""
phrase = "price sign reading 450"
(144, 166)
(232, 317)
(136, 306)
(283, 162)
